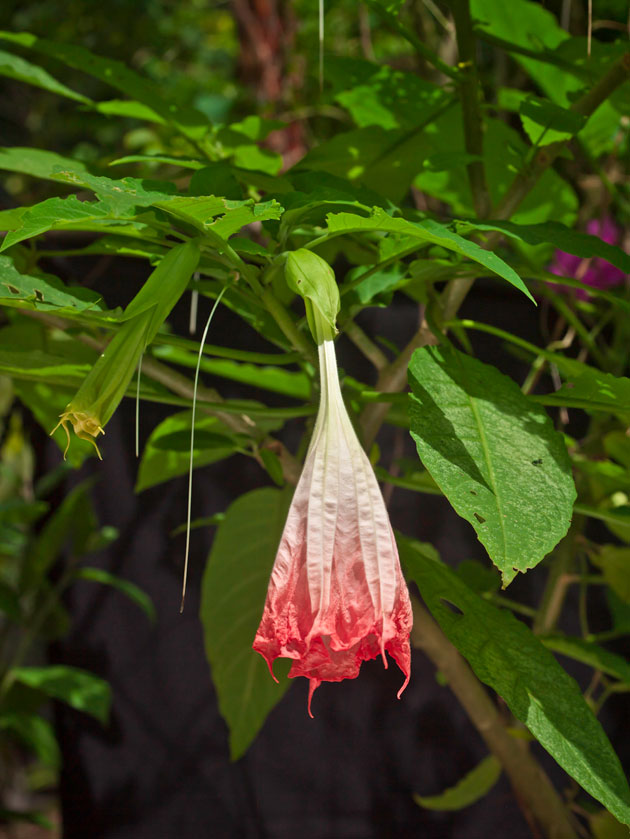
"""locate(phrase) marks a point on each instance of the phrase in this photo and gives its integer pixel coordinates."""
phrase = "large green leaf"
(160, 463)
(15, 67)
(507, 656)
(494, 454)
(431, 232)
(78, 688)
(473, 786)
(560, 236)
(234, 587)
(190, 122)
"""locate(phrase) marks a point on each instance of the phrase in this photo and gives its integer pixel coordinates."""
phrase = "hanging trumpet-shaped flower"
(336, 596)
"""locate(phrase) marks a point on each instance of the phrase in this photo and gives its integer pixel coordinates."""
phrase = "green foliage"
(413, 177)
(78, 688)
(508, 657)
(495, 456)
(473, 786)
(234, 586)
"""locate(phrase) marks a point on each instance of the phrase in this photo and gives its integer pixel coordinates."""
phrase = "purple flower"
(592, 271)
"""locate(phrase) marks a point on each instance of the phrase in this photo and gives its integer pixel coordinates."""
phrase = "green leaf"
(130, 590)
(379, 160)
(190, 122)
(473, 786)
(590, 389)
(35, 732)
(159, 465)
(40, 366)
(43, 292)
(605, 826)
(39, 163)
(427, 231)
(21, 70)
(552, 121)
(614, 563)
(58, 213)
(73, 523)
(77, 688)
(201, 212)
(494, 454)
(234, 586)
(560, 236)
(589, 653)
(128, 108)
(385, 97)
(270, 378)
(507, 656)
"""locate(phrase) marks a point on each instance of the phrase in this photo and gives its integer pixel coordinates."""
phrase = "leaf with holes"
(494, 453)
(234, 587)
(42, 292)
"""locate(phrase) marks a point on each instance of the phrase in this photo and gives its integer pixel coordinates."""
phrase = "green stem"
(557, 581)
(469, 93)
(281, 315)
(365, 344)
(408, 34)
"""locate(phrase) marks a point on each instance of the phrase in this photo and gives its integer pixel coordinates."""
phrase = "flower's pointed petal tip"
(313, 684)
(405, 683)
(269, 662)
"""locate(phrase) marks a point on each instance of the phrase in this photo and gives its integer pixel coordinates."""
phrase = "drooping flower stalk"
(101, 391)
(336, 596)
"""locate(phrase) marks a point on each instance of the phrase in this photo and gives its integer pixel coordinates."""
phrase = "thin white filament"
(192, 445)
(589, 33)
(194, 302)
(321, 46)
(138, 407)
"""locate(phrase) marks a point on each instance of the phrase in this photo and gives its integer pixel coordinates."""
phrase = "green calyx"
(313, 279)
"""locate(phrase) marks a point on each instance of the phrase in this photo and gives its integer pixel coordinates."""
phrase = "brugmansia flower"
(336, 596)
